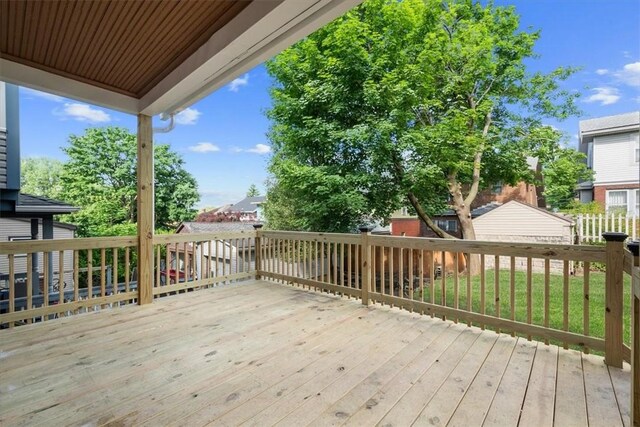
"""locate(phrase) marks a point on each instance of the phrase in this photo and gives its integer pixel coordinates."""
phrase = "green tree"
(253, 191)
(40, 176)
(100, 177)
(419, 103)
(561, 176)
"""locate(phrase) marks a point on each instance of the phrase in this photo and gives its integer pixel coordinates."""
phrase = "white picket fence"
(589, 227)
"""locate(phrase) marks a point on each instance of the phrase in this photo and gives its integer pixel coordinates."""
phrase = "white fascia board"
(34, 78)
(260, 31)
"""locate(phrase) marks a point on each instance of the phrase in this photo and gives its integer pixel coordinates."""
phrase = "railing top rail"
(534, 250)
(319, 237)
(51, 245)
(518, 249)
(201, 237)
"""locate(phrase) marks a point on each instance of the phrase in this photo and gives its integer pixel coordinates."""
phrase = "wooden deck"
(261, 353)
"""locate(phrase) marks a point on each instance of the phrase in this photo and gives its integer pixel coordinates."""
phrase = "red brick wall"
(522, 192)
(409, 226)
(600, 192)
(413, 227)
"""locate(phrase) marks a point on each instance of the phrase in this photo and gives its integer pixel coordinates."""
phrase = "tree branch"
(477, 163)
(424, 217)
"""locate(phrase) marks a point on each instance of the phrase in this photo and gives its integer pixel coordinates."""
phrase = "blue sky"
(223, 138)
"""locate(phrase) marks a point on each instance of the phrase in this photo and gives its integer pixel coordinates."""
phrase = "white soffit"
(44, 81)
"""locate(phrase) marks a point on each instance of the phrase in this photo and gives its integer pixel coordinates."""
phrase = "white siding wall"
(514, 222)
(13, 228)
(613, 158)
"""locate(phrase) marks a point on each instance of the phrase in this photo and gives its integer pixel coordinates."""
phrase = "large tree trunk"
(462, 208)
(469, 233)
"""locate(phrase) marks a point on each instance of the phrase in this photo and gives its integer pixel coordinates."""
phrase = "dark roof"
(480, 210)
(212, 227)
(248, 204)
(627, 122)
(42, 205)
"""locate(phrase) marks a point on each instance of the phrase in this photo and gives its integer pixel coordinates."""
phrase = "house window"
(447, 224)
(637, 156)
(637, 202)
(19, 239)
(497, 188)
(617, 201)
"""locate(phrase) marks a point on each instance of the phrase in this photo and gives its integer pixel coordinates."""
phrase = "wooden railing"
(326, 261)
(550, 292)
(46, 279)
(190, 261)
(571, 294)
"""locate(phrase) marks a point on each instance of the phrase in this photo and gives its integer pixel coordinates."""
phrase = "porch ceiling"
(148, 56)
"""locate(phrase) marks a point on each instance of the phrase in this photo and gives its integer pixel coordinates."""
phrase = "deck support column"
(365, 263)
(634, 247)
(145, 208)
(614, 299)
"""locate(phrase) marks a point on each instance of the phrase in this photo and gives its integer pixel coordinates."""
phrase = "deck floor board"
(261, 353)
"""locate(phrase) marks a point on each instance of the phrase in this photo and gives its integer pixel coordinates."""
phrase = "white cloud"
(602, 71)
(44, 95)
(604, 95)
(204, 147)
(188, 116)
(215, 198)
(257, 149)
(260, 149)
(237, 83)
(83, 113)
(626, 54)
(630, 74)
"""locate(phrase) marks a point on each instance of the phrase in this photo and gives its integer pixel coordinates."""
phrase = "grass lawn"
(556, 310)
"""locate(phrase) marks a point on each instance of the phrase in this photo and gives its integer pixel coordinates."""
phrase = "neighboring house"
(249, 208)
(23, 216)
(521, 192)
(612, 147)
(519, 222)
(18, 229)
(403, 224)
(9, 148)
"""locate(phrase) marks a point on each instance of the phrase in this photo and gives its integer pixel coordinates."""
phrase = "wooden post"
(614, 299)
(365, 263)
(258, 250)
(634, 247)
(145, 206)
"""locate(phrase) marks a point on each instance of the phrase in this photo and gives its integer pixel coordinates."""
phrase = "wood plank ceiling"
(123, 46)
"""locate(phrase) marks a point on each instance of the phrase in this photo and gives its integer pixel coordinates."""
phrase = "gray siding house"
(16, 229)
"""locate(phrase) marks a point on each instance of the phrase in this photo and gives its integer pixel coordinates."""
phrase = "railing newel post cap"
(257, 226)
(615, 236)
(365, 228)
(634, 247)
